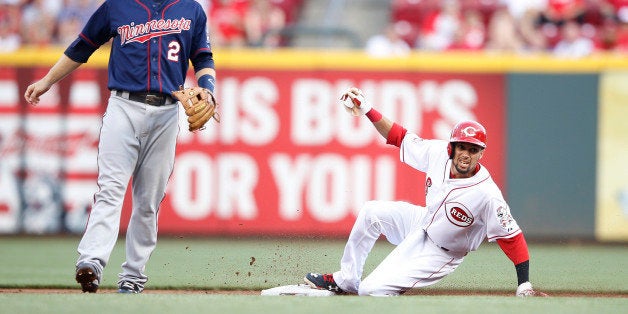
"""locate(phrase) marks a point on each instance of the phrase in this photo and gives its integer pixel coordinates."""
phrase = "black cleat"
(128, 287)
(322, 282)
(87, 276)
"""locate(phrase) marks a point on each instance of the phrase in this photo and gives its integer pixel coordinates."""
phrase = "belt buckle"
(153, 100)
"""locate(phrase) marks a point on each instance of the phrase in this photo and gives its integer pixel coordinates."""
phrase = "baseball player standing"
(153, 44)
(463, 207)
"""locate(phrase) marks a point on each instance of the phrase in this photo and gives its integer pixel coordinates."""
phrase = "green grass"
(229, 263)
(153, 303)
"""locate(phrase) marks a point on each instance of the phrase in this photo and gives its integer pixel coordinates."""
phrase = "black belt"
(153, 99)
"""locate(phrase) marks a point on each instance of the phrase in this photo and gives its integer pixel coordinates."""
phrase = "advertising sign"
(286, 159)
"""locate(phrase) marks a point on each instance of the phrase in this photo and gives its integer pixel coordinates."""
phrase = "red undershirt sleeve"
(396, 135)
(515, 248)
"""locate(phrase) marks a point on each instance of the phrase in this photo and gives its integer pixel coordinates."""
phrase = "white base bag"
(299, 290)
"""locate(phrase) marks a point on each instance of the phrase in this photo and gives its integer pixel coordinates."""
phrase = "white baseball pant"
(415, 262)
(135, 140)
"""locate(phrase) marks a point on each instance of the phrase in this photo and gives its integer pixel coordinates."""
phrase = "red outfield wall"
(285, 159)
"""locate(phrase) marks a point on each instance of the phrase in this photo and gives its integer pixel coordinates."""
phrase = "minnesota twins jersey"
(461, 212)
(153, 42)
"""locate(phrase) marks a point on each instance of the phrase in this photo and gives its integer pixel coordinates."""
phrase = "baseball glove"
(200, 106)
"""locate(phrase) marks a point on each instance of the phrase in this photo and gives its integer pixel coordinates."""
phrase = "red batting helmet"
(467, 132)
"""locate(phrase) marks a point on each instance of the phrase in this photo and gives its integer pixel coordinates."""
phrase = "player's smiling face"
(465, 160)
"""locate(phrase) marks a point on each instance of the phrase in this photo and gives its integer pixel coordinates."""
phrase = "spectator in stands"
(72, 19)
(613, 31)
(621, 39)
(261, 17)
(438, 32)
(472, 33)
(502, 33)
(38, 23)
(573, 44)
(518, 9)
(388, 44)
(81, 9)
(9, 26)
(226, 21)
(527, 17)
(531, 32)
(559, 12)
(68, 27)
(616, 9)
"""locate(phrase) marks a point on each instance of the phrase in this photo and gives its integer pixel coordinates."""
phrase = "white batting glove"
(525, 290)
(354, 102)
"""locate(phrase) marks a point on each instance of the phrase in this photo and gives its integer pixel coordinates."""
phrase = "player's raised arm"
(354, 102)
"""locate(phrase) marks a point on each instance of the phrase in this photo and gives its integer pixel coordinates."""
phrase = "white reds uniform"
(433, 240)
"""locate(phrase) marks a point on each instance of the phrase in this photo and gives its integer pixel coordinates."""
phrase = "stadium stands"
(423, 24)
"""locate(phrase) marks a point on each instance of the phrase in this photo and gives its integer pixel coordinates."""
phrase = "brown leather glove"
(200, 106)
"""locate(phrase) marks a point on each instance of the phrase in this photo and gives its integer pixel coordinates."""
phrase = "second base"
(299, 290)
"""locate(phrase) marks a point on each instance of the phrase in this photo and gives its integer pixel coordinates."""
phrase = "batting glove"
(354, 102)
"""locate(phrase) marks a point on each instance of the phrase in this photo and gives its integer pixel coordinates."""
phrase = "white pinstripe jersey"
(461, 212)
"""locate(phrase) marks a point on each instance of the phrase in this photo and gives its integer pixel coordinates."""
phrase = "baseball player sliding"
(463, 207)
(153, 44)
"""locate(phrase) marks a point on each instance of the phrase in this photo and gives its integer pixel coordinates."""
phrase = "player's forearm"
(392, 132)
(61, 69)
(516, 248)
(382, 125)
(523, 272)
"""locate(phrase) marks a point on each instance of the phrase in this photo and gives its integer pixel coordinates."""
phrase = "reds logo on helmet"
(469, 132)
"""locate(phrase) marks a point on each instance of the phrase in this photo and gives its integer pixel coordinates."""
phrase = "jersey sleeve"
(416, 152)
(95, 33)
(499, 221)
(201, 54)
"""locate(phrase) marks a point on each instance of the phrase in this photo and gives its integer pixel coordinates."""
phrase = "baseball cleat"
(322, 282)
(129, 288)
(87, 276)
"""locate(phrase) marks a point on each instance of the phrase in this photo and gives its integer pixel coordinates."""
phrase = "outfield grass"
(205, 264)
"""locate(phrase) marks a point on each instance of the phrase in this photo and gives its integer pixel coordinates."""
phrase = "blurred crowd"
(569, 28)
(232, 23)
(42, 23)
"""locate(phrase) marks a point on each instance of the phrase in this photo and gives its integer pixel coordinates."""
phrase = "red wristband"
(374, 115)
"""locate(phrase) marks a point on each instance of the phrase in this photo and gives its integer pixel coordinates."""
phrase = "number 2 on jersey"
(173, 51)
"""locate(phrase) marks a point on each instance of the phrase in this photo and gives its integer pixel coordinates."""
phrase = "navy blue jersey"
(152, 45)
